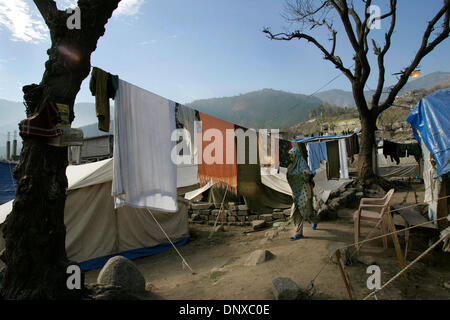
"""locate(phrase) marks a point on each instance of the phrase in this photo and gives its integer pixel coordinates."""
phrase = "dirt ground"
(220, 273)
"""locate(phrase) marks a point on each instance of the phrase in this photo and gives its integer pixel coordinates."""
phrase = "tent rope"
(407, 267)
(311, 285)
(168, 238)
(217, 217)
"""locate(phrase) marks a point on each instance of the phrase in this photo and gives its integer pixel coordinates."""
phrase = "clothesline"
(311, 286)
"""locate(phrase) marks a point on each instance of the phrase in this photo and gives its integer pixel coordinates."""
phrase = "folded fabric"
(144, 174)
(216, 149)
(103, 86)
(42, 123)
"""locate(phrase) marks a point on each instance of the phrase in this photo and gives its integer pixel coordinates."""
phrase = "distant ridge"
(345, 98)
(266, 108)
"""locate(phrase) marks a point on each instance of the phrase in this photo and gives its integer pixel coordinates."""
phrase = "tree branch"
(424, 49)
(328, 55)
(382, 53)
(48, 10)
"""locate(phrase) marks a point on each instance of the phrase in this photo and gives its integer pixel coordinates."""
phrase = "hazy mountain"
(427, 82)
(345, 98)
(337, 97)
(265, 108)
(11, 113)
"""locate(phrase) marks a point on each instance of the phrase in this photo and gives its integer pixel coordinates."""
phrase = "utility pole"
(8, 147)
(14, 150)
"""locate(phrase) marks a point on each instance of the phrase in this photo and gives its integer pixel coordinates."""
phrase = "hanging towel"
(414, 150)
(390, 149)
(352, 144)
(317, 151)
(217, 168)
(185, 119)
(343, 161)
(103, 86)
(144, 174)
(248, 167)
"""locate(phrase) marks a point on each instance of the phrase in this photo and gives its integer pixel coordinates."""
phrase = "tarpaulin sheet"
(431, 118)
(7, 182)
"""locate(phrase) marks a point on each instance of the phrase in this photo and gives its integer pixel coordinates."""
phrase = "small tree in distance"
(311, 14)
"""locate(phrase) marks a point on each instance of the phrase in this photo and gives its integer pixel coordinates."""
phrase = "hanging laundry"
(415, 150)
(268, 148)
(248, 170)
(284, 147)
(144, 174)
(390, 149)
(103, 86)
(352, 145)
(185, 119)
(317, 151)
(401, 150)
(42, 123)
(214, 152)
(343, 170)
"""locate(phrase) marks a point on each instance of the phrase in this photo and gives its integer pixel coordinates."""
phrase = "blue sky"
(193, 49)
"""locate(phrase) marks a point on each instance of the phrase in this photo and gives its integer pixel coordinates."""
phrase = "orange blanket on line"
(224, 174)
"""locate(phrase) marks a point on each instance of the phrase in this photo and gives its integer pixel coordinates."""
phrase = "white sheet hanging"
(144, 173)
(343, 160)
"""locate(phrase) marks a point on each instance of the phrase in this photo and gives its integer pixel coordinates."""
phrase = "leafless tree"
(34, 232)
(311, 14)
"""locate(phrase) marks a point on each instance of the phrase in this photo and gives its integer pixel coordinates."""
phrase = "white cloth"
(431, 182)
(144, 173)
(343, 160)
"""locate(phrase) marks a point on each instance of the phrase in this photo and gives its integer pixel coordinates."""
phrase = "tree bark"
(368, 128)
(34, 232)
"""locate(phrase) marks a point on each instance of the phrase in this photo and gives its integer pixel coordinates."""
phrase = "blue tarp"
(7, 182)
(431, 118)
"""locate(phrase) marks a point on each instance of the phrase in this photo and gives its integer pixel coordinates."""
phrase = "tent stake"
(341, 269)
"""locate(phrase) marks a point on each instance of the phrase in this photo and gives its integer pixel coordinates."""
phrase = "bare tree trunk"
(34, 232)
(368, 127)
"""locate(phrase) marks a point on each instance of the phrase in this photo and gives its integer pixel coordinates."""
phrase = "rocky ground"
(238, 263)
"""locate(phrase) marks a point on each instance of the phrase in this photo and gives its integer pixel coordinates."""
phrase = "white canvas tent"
(96, 231)
(322, 186)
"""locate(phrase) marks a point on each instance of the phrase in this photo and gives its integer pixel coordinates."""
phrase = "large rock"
(258, 224)
(119, 271)
(266, 217)
(258, 257)
(367, 260)
(344, 252)
(286, 289)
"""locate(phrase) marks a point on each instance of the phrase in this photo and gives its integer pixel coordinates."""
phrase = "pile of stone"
(234, 214)
(344, 197)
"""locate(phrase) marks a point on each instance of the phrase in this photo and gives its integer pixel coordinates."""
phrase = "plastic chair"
(372, 209)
